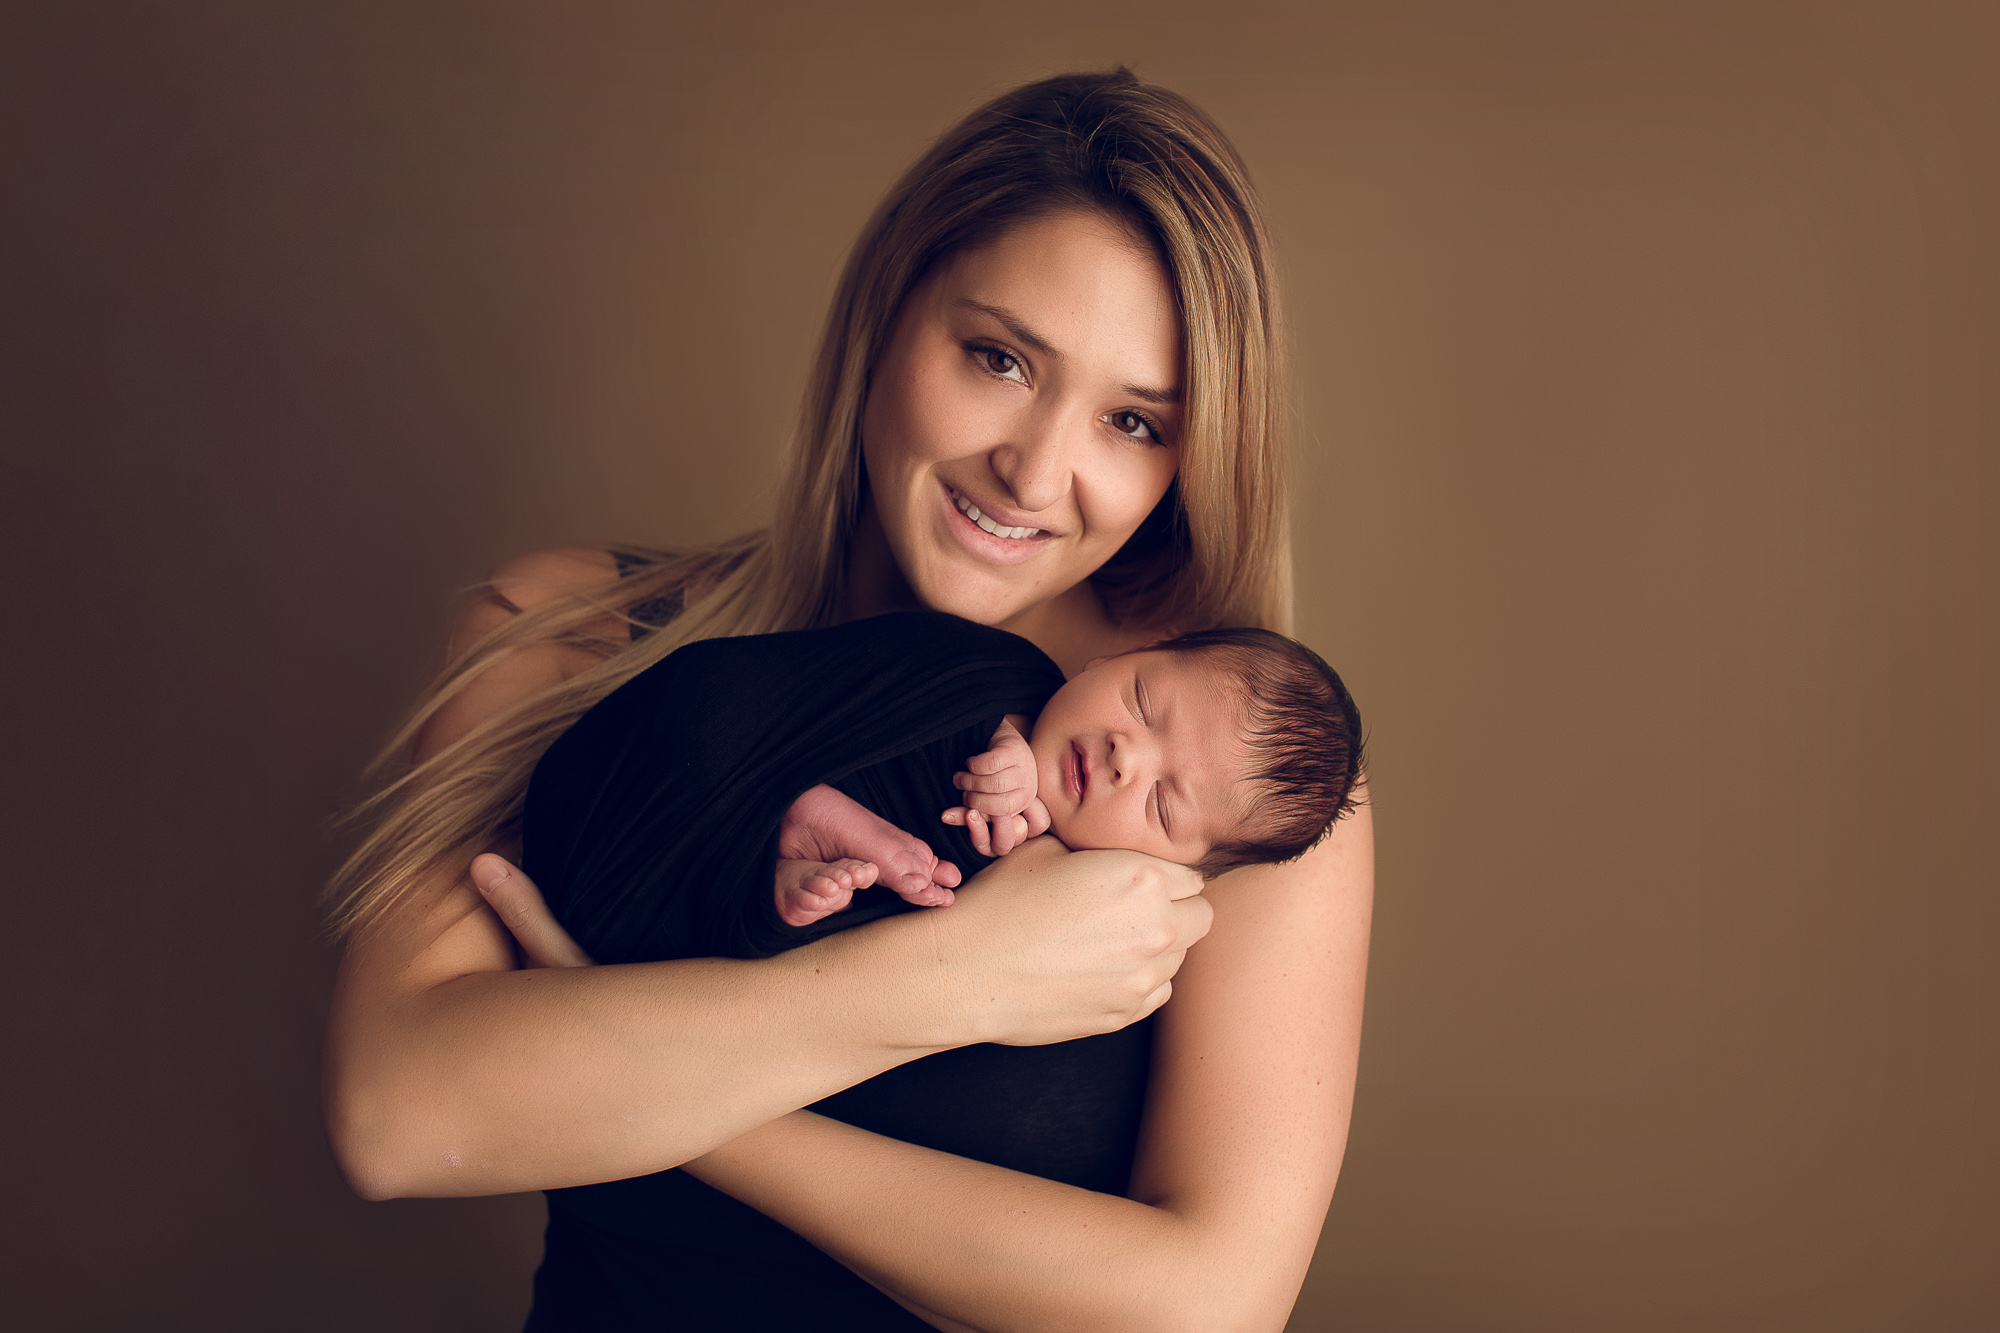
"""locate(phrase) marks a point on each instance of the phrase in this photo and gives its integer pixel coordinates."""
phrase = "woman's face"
(1025, 417)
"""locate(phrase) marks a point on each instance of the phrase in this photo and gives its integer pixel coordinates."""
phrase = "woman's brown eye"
(1131, 423)
(995, 358)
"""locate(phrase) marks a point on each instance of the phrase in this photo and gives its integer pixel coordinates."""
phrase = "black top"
(651, 826)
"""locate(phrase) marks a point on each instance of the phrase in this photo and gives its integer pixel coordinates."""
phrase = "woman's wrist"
(889, 983)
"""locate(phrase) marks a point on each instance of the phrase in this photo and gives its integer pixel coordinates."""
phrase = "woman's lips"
(987, 524)
(989, 546)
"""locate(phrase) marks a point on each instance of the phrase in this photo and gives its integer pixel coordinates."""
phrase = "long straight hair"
(1214, 552)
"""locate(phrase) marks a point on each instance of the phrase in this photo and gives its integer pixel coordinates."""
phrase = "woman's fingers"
(1070, 944)
(518, 903)
(1193, 916)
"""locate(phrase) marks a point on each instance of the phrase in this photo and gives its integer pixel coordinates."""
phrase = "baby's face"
(1147, 752)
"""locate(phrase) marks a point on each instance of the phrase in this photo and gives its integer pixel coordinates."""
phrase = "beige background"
(1645, 393)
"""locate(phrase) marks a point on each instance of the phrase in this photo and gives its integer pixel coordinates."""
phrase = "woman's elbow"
(1226, 1293)
(373, 1145)
(1227, 1311)
(366, 1158)
(373, 1179)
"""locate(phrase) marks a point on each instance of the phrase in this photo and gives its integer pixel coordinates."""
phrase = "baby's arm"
(830, 846)
(1002, 809)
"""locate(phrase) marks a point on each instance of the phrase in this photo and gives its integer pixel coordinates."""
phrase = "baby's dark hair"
(1304, 733)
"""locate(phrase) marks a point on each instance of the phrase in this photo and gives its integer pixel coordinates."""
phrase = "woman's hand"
(538, 938)
(1047, 946)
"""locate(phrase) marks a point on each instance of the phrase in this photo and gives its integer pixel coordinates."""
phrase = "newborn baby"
(1217, 749)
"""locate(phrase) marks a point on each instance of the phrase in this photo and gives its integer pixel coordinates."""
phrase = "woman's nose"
(1035, 464)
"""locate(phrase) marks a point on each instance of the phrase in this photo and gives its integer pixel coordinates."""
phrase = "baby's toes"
(854, 874)
(802, 907)
(910, 883)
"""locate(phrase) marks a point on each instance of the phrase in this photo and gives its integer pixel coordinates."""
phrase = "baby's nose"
(1128, 760)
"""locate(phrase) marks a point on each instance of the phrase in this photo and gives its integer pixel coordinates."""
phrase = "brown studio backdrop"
(1643, 369)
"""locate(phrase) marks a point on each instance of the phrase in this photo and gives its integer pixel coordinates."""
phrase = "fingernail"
(487, 874)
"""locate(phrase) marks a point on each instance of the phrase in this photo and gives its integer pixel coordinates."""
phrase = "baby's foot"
(827, 825)
(810, 891)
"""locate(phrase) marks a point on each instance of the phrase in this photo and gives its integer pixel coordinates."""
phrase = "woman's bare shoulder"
(522, 584)
(540, 575)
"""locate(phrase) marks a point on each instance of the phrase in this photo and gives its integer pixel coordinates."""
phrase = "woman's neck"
(1074, 629)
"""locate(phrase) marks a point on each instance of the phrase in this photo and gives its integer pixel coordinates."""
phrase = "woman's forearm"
(492, 1081)
(448, 1072)
(971, 1245)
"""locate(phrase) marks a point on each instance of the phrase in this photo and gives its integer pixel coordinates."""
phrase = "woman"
(1046, 399)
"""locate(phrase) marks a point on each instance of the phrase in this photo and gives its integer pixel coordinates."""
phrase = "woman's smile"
(988, 540)
(986, 524)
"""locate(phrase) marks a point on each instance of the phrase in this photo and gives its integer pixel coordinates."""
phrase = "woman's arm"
(1253, 1076)
(449, 1072)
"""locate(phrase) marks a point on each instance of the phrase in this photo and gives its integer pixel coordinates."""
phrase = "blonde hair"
(1213, 553)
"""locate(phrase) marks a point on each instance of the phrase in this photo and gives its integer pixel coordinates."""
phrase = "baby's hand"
(1001, 809)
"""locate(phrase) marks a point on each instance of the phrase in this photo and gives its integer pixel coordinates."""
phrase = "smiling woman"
(1046, 400)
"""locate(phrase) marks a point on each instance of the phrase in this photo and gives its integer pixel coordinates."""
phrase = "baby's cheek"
(1086, 830)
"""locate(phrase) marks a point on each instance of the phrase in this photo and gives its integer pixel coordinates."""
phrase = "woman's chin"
(976, 594)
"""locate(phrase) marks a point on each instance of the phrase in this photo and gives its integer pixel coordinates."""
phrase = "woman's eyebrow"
(1161, 397)
(1012, 323)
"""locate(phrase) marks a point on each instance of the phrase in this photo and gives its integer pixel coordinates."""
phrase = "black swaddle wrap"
(651, 827)
(651, 824)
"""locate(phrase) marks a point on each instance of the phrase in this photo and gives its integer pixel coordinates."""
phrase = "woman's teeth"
(971, 511)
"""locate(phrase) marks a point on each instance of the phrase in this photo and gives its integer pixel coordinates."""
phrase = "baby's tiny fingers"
(994, 805)
(1006, 779)
(1009, 832)
(982, 837)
